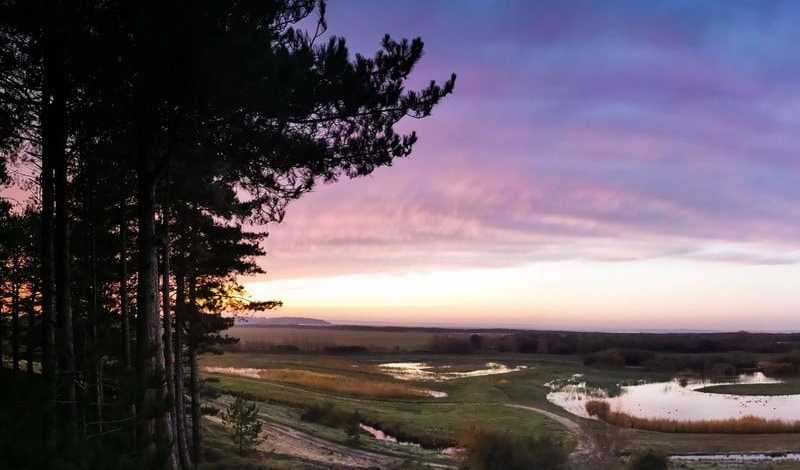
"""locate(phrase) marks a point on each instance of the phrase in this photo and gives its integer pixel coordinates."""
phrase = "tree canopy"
(165, 135)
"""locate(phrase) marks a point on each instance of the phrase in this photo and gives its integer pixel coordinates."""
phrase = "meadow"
(289, 383)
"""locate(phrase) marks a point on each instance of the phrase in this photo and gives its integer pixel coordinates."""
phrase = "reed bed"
(743, 425)
(329, 382)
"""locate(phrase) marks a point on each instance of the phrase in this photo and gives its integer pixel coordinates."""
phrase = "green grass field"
(437, 422)
(433, 421)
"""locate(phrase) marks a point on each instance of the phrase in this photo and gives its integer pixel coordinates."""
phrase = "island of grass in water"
(682, 400)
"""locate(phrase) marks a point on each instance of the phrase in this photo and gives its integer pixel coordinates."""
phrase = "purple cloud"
(598, 130)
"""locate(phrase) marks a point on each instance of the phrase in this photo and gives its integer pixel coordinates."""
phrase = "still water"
(680, 399)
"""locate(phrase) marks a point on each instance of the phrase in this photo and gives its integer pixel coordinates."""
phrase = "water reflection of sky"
(680, 399)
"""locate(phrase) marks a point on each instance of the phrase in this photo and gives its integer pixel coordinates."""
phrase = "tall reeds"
(743, 425)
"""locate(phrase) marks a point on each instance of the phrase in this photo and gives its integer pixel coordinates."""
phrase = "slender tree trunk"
(2, 329)
(63, 290)
(31, 331)
(94, 366)
(15, 356)
(194, 373)
(155, 431)
(51, 145)
(53, 137)
(169, 359)
(180, 405)
(125, 311)
(124, 307)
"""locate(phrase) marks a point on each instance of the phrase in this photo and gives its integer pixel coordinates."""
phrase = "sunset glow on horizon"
(600, 165)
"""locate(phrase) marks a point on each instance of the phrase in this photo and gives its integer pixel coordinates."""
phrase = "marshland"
(448, 383)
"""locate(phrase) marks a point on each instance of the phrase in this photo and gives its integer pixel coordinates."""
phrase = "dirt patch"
(284, 440)
(585, 447)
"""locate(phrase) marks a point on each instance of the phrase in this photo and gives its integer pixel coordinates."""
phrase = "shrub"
(491, 450)
(327, 414)
(649, 460)
(241, 417)
(619, 358)
(353, 428)
(598, 409)
(476, 341)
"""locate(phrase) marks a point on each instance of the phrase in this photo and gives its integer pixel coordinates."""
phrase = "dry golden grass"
(743, 425)
(335, 383)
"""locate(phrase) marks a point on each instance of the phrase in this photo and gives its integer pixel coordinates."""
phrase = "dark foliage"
(648, 460)
(161, 133)
(490, 450)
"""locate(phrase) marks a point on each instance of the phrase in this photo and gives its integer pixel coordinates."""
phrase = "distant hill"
(279, 321)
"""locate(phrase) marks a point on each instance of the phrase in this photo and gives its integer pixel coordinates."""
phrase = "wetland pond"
(422, 371)
(678, 399)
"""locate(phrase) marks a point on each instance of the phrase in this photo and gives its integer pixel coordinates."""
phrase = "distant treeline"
(340, 338)
(587, 343)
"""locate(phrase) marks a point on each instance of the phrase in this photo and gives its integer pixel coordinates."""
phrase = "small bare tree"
(241, 417)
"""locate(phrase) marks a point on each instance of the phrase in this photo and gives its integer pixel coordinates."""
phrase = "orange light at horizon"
(569, 294)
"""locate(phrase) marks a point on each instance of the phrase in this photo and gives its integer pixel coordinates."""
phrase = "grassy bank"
(788, 388)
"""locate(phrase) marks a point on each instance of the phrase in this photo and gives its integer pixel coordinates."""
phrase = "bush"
(598, 409)
(619, 358)
(649, 460)
(327, 414)
(492, 450)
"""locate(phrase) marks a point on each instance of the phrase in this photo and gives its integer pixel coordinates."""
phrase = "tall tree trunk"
(62, 251)
(54, 139)
(49, 363)
(31, 330)
(194, 373)
(180, 404)
(15, 357)
(169, 360)
(2, 329)
(95, 372)
(155, 435)
(125, 311)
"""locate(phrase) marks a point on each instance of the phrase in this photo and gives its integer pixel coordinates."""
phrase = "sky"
(601, 165)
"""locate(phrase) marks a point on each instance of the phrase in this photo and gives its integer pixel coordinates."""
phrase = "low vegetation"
(327, 414)
(649, 460)
(241, 418)
(769, 389)
(743, 425)
(336, 383)
(491, 449)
